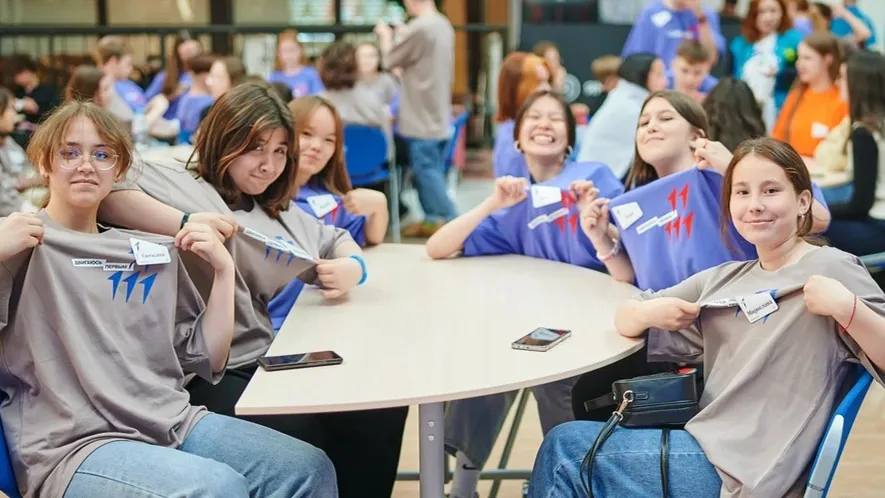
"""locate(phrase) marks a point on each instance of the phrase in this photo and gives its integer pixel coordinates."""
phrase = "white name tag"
(322, 204)
(299, 252)
(547, 218)
(278, 245)
(543, 195)
(667, 218)
(757, 306)
(119, 266)
(627, 214)
(646, 226)
(255, 235)
(661, 18)
(148, 253)
(819, 130)
(721, 303)
(87, 263)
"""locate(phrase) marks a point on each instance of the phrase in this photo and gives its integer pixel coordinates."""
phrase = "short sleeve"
(408, 48)
(330, 237)
(856, 278)
(190, 341)
(682, 346)
(130, 181)
(488, 239)
(818, 194)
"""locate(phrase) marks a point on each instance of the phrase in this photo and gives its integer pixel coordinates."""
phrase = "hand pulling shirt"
(95, 349)
(771, 385)
(260, 272)
(547, 224)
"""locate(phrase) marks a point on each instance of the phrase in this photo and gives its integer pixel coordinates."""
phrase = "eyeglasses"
(72, 158)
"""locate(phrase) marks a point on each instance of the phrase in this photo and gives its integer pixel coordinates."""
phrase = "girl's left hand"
(338, 276)
(828, 297)
(364, 202)
(711, 155)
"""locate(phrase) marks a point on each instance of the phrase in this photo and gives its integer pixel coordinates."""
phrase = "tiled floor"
(861, 473)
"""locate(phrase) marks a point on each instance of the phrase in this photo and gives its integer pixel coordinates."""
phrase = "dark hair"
(334, 175)
(517, 80)
(21, 63)
(569, 117)
(641, 172)
(748, 25)
(693, 52)
(338, 66)
(175, 66)
(636, 67)
(865, 74)
(84, 84)
(781, 154)
(50, 136)
(733, 113)
(6, 99)
(201, 64)
(233, 127)
(282, 90)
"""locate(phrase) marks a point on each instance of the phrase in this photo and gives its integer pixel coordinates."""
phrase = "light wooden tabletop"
(422, 331)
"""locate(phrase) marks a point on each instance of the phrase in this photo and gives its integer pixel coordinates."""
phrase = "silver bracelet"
(616, 248)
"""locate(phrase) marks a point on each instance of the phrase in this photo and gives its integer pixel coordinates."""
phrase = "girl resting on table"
(244, 167)
(537, 218)
(98, 345)
(324, 188)
(771, 385)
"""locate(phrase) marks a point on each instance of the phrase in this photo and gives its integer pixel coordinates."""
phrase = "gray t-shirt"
(384, 86)
(94, 350)
(359, 105)
(259, 276)
(770, 386)
(426, 54)
(13, 166)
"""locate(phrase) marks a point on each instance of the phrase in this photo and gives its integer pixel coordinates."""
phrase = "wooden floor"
(861, 473)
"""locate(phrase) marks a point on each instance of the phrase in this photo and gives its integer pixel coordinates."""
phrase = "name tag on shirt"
(757, 306)
(322, 204)
(661, 18)
(88, 263)
(547, 218)
(544, 195)
(819, 130)
(148, 253)
(721, 303)
(627, 214)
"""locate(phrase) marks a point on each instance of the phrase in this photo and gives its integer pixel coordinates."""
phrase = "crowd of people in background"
(805, 100)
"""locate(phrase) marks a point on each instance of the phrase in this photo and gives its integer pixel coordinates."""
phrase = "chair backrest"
(874, 262)
(833, 441)
(457, 128)
(365, 151)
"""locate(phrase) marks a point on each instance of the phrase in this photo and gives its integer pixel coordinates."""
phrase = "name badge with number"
(757, 306)
(322, 204)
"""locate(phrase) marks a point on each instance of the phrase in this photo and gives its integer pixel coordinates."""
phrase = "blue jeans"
(222, 456)
(428, 169)
(473, 424)
(627, 466)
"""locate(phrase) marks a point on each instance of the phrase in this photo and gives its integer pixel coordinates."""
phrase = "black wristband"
(184, 220)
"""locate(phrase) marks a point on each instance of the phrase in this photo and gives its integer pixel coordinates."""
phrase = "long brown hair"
(50, 137)
(641, 172)
(333, 177)
(779, 153)
(233, 127)
(748, 25)
(517, 81)
(175, 67)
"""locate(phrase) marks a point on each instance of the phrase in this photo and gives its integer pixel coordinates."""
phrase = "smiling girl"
(829, 313)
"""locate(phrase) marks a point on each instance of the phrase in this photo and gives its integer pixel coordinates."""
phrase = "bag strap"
(607, 399)
(604, 434)
(665, 460)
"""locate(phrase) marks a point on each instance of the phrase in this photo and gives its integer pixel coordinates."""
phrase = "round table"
(422, 332)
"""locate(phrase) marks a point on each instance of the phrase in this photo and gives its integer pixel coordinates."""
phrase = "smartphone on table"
(541, 339)
(300, 360)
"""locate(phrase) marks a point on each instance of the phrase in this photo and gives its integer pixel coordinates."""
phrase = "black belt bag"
(664, 400)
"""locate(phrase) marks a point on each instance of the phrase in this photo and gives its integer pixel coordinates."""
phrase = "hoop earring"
(516, 146)
(569, 152)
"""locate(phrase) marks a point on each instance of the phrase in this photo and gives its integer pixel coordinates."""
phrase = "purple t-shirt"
(282, 302)
(190, 108)
(670, 228)
(549, 231)
(156, 88)
(659, 30)
(131, 93)
(306, 82)
(506, 160)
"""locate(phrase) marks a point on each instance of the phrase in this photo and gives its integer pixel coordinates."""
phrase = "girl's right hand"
(595, 220)
(203, 241)
(509, 191)
(709, 154)
(19, 232)
(670, 313)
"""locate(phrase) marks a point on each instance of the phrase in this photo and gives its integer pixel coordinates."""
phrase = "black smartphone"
(301, 360)
(541, 339)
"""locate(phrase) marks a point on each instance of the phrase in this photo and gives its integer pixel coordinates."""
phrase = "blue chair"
(365, 152)
(7, 477)
(833, 442)
(874, 262)
(457, 128)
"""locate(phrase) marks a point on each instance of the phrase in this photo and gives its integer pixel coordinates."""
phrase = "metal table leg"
(432, 453)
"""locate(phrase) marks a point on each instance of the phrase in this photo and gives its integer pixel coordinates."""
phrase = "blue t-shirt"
(670, 228)
(282, 302)
(131, 93)
(306, 82)
(841, 28)
(506, 160)
(156, 88)
(707, 84)
(190, 108)
(659, 30)
(552, 231)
